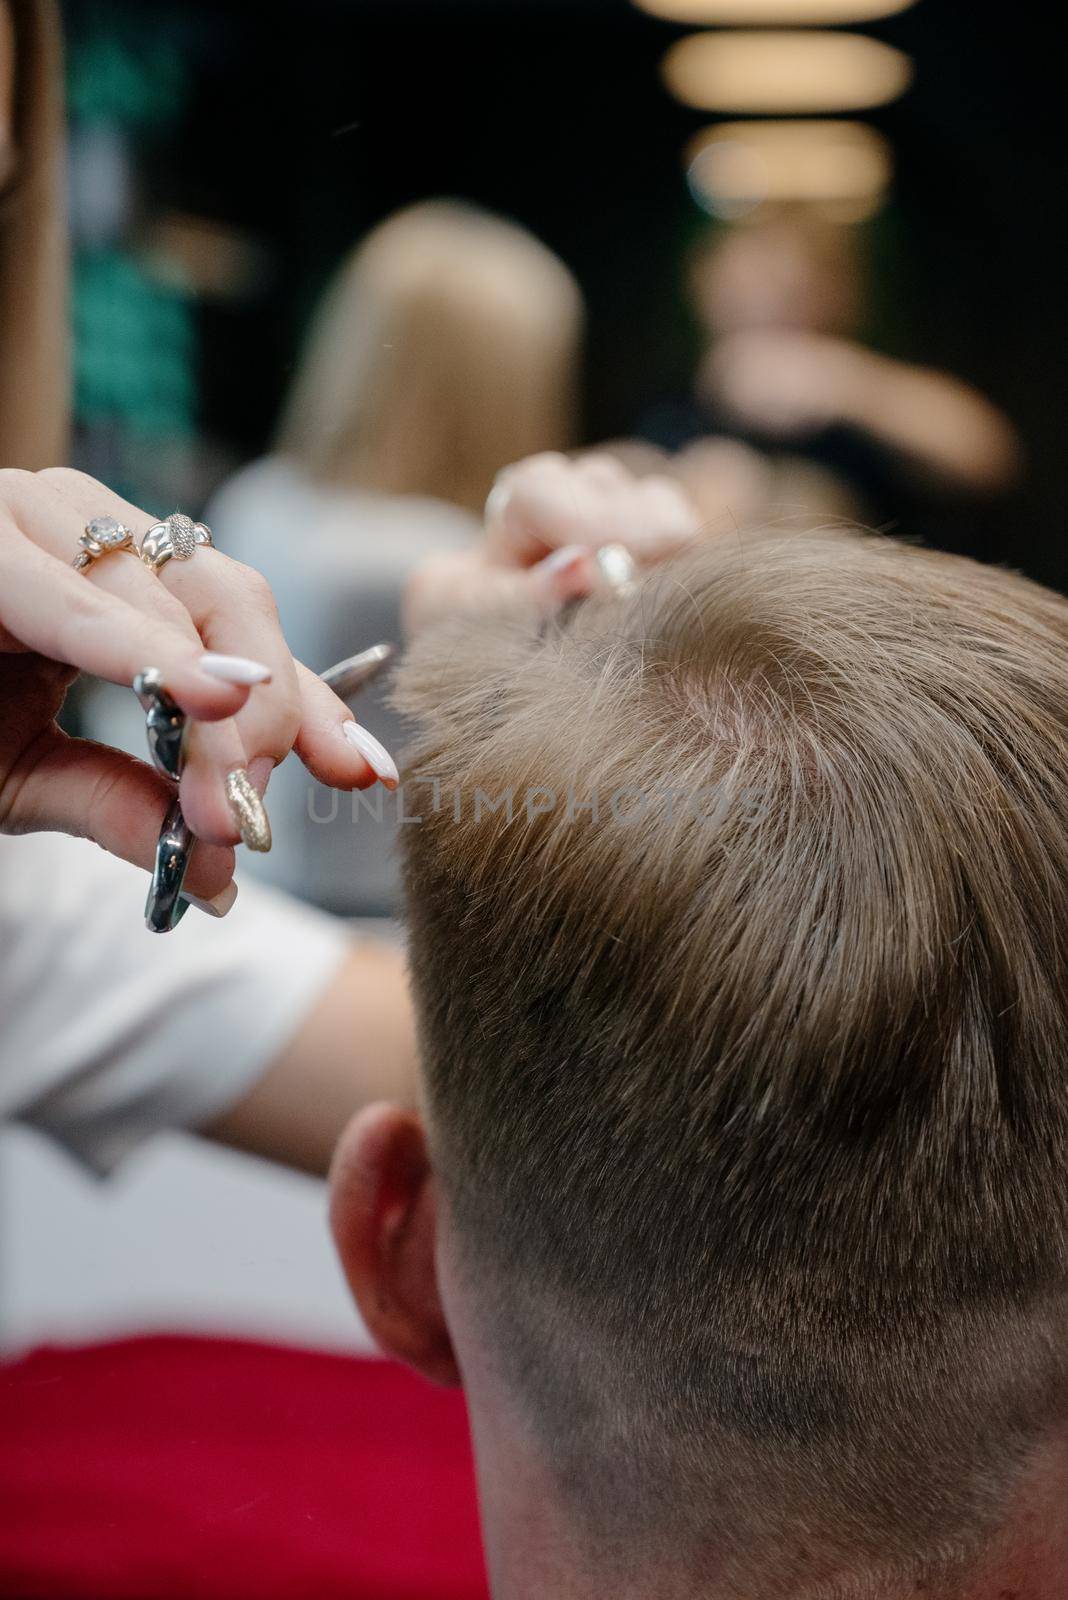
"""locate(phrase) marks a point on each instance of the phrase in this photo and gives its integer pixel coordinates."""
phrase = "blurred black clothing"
(894, 492)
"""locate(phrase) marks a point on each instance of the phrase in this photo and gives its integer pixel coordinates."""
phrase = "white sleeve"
(109, 1033)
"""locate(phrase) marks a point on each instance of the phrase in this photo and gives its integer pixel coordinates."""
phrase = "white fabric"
(109, 1033)
(337, 560)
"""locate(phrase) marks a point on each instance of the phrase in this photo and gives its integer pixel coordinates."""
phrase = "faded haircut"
(745, 1058)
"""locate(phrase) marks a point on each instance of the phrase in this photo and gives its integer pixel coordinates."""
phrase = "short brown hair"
(753, 1112)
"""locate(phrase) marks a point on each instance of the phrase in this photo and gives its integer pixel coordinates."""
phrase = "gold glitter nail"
(248, 810)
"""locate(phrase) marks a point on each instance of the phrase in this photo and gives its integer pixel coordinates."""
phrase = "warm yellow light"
(788, 71)
(751, 13)
(844, 168)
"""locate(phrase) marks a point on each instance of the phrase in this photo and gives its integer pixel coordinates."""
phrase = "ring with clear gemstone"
(100, 536)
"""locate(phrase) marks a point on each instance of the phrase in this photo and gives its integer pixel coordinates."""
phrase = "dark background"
(303, 124)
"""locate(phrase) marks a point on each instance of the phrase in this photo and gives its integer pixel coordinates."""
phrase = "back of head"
(744, 1044)
(446, 348)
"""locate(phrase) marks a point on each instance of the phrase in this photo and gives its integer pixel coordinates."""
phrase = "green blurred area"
(135, 337)
(134, 348)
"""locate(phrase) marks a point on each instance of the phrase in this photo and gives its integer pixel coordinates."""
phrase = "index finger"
(48, 607)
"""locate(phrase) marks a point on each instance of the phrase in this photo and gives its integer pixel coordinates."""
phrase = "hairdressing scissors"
(165, 731)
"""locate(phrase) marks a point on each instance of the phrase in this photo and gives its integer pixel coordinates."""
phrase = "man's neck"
(1030, 1559)
(534, 1553)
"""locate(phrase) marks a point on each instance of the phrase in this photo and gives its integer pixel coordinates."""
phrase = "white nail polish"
(562, 558)
(376, 755)
(617, 568)
(497, 500)
(234, 669)
(219, 905)
(564, 575)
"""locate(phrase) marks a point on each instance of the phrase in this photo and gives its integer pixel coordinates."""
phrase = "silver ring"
(100, 537)
(177, 536)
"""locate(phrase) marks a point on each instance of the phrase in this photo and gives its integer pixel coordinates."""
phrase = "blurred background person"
(789, 403)
(446, 348)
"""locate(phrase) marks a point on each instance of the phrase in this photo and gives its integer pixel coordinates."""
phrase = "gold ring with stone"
(102, 536)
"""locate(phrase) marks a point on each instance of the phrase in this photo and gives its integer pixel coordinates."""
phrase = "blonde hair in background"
(34, 331)
(446, 347)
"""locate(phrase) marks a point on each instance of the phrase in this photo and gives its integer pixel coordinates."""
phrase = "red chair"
(202, 1469)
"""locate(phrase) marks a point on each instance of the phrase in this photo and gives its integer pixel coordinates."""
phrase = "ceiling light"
(754, 13)
(788, 71)
(844, 168)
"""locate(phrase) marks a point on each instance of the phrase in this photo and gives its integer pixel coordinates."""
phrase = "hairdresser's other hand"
(787, 381)
(208, 624)
(545, 519)
(791, 383)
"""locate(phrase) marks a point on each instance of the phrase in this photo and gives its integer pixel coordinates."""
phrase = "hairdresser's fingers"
(602, 470)
(550, 501)
(64, 785)
(56, 503)
(231, 608)
(235, 612)
(106, 621)
(534, 506)
(651, 515)
(439, 587)
(333, 746)
(569, 573)
(213, 750)
(667, 518)
(542, 459)
(464, 583)
(49, 608)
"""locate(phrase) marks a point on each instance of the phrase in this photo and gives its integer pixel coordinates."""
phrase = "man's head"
(743, 1039)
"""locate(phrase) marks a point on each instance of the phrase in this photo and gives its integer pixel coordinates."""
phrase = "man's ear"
(382, 1213)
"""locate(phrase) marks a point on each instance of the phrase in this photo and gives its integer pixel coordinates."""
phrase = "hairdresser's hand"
(791, 383)
(545, 519)
(208, 624)
(787, 381)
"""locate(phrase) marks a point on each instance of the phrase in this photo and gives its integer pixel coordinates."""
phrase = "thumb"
(65, 785)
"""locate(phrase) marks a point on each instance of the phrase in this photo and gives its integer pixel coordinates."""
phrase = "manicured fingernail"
(566, 574)
(247, 810)
(498, 499)
(617, 568)
(563, 558)
(376, 755)
(216, 907)
(234, 669)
